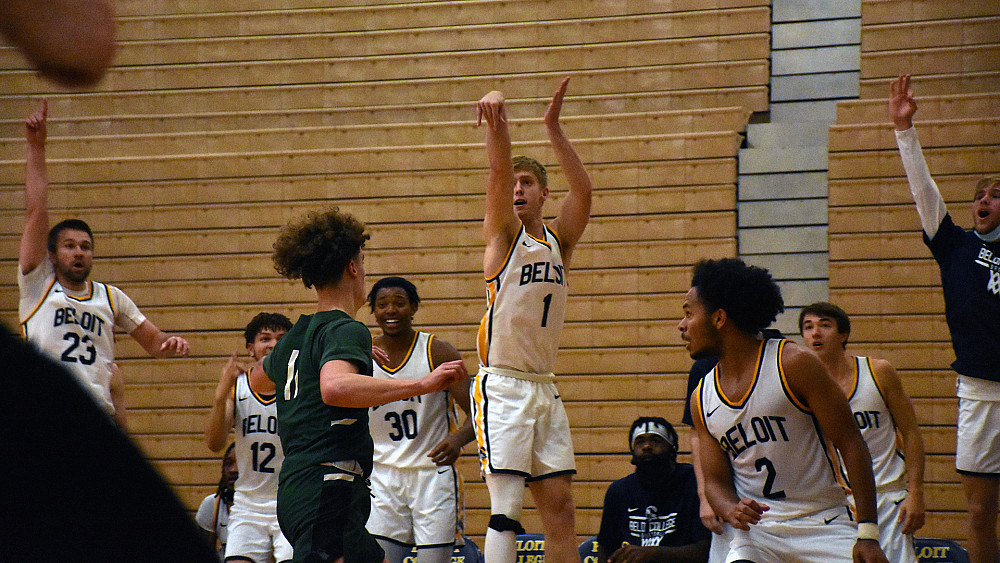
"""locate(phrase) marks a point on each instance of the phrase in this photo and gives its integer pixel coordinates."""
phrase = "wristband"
(868, 531)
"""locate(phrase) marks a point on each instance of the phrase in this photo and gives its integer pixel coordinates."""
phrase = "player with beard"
(652, 514)
(66, 315)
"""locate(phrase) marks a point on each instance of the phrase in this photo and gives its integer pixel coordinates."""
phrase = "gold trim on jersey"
(784, 382)
(406, 358)
(857, 378)
(45, 295)
(510, 252)
(263, 400)
(756, 376)
(430, 358)
(89, 296)
(697, 407)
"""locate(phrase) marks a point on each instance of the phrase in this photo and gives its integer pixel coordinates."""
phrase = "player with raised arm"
(521, 425)
(249, 406)
(765, 416)
(322, 370)
(416, 489)
(970, 278)
(68, 316)
(885, 416)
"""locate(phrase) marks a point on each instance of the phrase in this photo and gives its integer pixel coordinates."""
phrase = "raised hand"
(492, 107)
(902, 106)
(35, 128)
(555, 106)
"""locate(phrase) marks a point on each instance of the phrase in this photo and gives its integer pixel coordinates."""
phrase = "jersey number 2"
(764, 463)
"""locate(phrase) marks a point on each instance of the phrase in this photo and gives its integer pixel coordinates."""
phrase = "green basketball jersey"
(313, 432)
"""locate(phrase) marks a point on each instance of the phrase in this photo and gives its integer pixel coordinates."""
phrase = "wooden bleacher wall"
(219, 123)
(880, 270)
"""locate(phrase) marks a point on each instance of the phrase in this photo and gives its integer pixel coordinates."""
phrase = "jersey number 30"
(403, 425)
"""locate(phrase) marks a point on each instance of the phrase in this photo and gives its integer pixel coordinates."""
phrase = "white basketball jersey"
(877, 427)
(405, 431)
(773, 441)
(77, 330)
(258, 448)
(526, 304)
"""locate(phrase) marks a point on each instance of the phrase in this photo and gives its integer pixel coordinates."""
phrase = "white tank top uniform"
(414, 502)
(520, 422)
(405, 431)
(258, 448)
(773, 442)
(76, 329)
(879, 431)
(526, 306)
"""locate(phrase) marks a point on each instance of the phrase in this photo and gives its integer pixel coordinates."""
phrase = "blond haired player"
(521, 425)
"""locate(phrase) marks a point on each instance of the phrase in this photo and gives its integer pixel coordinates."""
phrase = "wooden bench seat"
(875, 12)
(107, 109)
(929, 34)
(373, 159)
(213, 139)
(935, 133)
(357, 136)
(673, 185)
(302, 35)
(438, 8)
(932, 108)
(383, 121)
(219, 22)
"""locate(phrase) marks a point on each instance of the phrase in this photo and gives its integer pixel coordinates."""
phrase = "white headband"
(651, 427)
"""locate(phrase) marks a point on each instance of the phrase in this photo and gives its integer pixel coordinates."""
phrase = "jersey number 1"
(545, 312)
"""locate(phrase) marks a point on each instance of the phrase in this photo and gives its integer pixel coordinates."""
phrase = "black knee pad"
(502, 523)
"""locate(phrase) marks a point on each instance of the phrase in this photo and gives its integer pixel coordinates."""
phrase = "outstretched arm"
(500, 224)
(930, 204)
(911, 511)
(575, 212)
(342, 385)
(159, 344)
(36, 191)
(446, 451)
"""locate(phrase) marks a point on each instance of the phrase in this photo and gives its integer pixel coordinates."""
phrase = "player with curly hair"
(764, 415)
(322, 370)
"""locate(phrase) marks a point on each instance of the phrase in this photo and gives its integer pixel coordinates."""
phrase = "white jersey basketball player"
(521, 425)
(886, 418)
(248, 406)
(416, 490)
(766, 416)
(66, 315)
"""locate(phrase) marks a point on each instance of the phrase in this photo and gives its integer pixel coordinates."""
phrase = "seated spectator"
(213, 514)
(652, 514)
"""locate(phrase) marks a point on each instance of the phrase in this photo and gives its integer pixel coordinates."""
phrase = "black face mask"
(654, 470)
